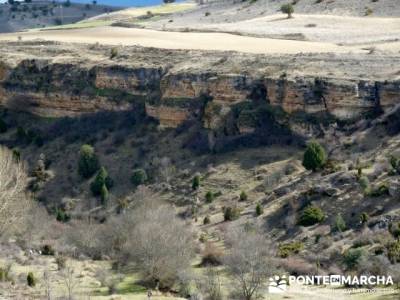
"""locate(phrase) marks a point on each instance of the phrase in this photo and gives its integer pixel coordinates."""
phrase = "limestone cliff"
(53, 88)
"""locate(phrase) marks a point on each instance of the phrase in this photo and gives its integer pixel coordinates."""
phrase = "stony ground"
(366, 65)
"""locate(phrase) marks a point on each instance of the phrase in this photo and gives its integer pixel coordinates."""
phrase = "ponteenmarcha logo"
(280, 284)
(277, 284)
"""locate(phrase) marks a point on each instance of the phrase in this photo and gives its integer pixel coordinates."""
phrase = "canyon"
(229, 113)
(176, 86)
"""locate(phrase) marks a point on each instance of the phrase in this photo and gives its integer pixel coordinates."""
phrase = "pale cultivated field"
(182, 26)
(180, 40)
(318, 28)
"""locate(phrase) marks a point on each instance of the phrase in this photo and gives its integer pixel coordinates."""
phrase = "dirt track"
(181, 40)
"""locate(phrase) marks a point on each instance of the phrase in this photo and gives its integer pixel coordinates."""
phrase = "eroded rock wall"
(53, 89)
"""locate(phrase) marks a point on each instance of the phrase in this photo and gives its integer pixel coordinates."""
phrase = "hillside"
(239, 126)
(40, 14)
(203, 152)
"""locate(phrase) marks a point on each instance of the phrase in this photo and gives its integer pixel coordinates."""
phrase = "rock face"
(52, 89)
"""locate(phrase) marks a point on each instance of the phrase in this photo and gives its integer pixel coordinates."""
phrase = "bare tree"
(14, 204)
(162, 169)
(212, 284)
(70, 282)
(394, 271)
(160, 245)
(117, 231)
(249, 262)
(166, 169)
(47, 284)
(86, 237)
(107, 280)
(39, 226)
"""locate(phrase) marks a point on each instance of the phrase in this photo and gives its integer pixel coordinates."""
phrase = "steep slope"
(237, 122)
(40, 14)
(61, 82)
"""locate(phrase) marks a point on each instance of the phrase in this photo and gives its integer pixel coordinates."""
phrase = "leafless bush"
(366, 237)
(394, 271)
(116, 233)
(38, 227)
(382, 236)
(85, 236)
(373, 265)
(186, 280)
(47, 284)
(159, 245)
(249, 262)
(70, 282)
(325, 242)
(106, 280)
(290, 221)
(102, 275)
(14, 203)
(211, 255)
(61, 262)
(212, 285)
(166, 169)
(5, 272)
(272, 179)
(296, 265)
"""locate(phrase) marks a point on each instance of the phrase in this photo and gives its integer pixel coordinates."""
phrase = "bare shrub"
(373, 265)
(85, 237)
(325, 243)
(211, 255)
(107, 280)
(249, 262)
(47, 284)
(290, 221)
(166, 169)
(365, 238)
(159, 245)
(70, 282)
(186, 280)
(394, 271)
(5, 273)
(14, 203)
(61, 262)
(297, 266)
(212, 285)
(38, 226)
(382, 236)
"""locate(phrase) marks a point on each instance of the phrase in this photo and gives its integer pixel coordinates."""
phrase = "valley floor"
(87, 285)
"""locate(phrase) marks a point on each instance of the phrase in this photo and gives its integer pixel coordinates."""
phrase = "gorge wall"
(53, 89)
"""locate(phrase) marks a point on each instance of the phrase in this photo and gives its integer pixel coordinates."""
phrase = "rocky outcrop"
(52, 89)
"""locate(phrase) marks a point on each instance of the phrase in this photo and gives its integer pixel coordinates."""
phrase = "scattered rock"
(282, 191)
(343, 178)
(325, 189)
(394, 188)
